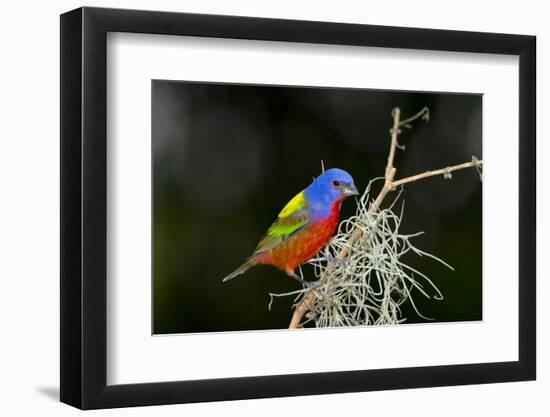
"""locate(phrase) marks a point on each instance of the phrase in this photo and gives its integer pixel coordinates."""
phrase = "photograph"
(280, 207)
(259, 204)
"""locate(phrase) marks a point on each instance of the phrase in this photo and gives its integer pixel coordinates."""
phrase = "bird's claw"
(328, 259)
(313, 285)
(307, 284)
(336, 261)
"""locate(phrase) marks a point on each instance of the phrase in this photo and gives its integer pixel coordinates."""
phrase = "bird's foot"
(310, 285)
(328, 259)
(313, 285)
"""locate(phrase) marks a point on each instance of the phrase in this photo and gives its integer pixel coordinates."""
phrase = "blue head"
(332, 186)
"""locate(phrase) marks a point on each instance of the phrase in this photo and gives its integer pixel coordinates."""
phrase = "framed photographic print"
(257, 207)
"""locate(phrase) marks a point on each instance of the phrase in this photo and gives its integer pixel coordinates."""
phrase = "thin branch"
(442, 171)
(389, 184)
(390, 171)
(424, 113)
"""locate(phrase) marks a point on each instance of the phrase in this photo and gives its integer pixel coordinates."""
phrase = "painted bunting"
(304, 226)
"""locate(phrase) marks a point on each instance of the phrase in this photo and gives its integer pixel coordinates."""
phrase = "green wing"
(292, 218)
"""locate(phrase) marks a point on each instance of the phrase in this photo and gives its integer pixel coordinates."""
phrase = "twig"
(425, 113)
(442, 171)
(389, 185)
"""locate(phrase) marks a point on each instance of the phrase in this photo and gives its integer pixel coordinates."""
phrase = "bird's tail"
(240, 270)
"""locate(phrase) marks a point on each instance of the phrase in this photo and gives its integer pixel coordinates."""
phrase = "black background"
(227, 158)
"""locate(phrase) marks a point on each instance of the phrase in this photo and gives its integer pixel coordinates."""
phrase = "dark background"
(227, 158)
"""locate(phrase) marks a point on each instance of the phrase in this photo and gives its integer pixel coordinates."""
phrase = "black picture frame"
(84, 207)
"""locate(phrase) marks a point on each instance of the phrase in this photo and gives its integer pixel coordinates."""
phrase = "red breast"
(303, 245)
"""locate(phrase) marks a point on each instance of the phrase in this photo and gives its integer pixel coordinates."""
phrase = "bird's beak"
(350, 189)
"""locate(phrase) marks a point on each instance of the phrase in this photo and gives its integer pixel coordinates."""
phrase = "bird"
(304, 226)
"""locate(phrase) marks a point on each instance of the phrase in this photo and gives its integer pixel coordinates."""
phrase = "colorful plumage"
(304, 226)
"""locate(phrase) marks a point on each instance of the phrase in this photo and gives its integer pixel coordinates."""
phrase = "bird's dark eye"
(336, 183)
